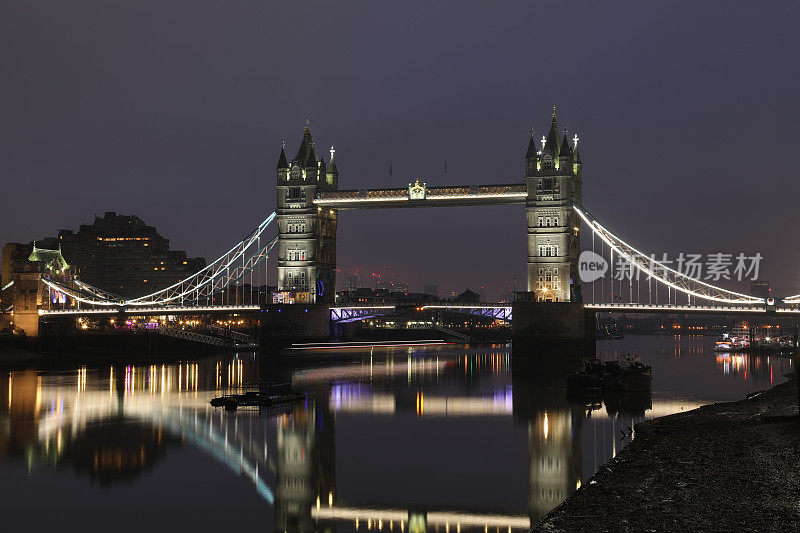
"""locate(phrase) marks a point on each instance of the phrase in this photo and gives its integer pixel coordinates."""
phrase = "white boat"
(737, 340)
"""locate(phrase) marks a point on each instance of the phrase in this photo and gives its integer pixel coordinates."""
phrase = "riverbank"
(731, 466)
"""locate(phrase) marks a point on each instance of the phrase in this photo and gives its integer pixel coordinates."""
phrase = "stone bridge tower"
(553, 177)
(306, 232)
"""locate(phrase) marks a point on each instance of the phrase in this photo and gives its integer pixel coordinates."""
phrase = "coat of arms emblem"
(417, 190)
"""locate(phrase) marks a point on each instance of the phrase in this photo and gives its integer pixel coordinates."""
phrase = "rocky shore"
(723, 467)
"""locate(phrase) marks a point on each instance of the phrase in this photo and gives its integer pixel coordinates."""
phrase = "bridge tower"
(306, 233)
(553, 177)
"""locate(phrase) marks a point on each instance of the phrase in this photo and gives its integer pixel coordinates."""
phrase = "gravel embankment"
(723, 467)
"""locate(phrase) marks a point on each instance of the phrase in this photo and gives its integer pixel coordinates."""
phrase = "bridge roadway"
(342, 314)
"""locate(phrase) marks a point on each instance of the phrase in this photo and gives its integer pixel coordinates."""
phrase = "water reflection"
(432, 439)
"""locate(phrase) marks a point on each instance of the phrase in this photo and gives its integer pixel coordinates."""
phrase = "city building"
(554, 182)
(760, 289)
(117, 253)
(353, 281)
(432, 289)
(306, 233)
(467, 297)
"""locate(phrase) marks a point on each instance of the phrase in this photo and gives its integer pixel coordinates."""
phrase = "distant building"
(432, 289)
(467, 297)
(760, 289)
(116, 253)
(353, 282)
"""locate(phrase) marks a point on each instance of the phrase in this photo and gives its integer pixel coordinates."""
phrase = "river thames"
(420, 438)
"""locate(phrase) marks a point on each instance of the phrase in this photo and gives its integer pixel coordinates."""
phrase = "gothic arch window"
(296, 173)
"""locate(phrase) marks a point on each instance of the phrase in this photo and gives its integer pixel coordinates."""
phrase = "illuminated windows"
(296, 255)
(548, 279)
(548, 250)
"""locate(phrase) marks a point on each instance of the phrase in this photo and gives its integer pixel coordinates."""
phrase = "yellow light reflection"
(546, 428)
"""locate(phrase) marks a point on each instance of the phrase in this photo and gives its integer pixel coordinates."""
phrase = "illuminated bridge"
(653, 287)
(301, 236)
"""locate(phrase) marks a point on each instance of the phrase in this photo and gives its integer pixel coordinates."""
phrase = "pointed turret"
(332, 165)
(532, 152)
(565, 149)
(306, 148)
(552, 144)
(575, 153)
(282, 163)
(332, 173)
(311, 158)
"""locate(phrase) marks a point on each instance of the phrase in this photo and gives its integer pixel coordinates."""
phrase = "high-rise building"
(432, 289)
(760, 289)
(553, 176)
(116, 253)
(306, 233)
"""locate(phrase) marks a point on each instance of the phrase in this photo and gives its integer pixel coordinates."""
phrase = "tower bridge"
(301, 235)
(309, 199)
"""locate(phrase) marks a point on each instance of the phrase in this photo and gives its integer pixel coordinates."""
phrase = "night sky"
(175, 111)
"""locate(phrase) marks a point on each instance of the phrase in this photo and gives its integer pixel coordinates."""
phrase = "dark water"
(406, 439)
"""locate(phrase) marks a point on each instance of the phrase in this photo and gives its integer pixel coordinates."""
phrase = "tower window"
(548, 250)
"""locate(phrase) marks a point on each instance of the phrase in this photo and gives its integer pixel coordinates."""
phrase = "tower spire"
(565, 150)
(332, 166)
(553, 143)
(532, 151)
(282, 163)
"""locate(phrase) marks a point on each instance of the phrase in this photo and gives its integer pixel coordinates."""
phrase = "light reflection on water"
(443, 438)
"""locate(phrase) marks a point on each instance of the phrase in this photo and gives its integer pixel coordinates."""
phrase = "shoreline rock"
(731, 466)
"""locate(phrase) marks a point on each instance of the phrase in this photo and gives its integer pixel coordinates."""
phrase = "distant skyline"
(175, 111)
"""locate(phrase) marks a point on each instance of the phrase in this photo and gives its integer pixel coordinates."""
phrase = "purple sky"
(175, 110)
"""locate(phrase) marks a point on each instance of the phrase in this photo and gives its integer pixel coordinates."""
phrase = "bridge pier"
(282, 323)
(542, 329)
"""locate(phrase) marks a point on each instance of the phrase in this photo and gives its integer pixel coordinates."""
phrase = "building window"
(548, 250)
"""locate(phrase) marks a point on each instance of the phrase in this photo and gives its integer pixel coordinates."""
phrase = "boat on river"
(737, 340)
(622, 375)
(265, 397)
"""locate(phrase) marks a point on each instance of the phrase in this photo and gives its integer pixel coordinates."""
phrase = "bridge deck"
(515, 193)
(499, 311)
